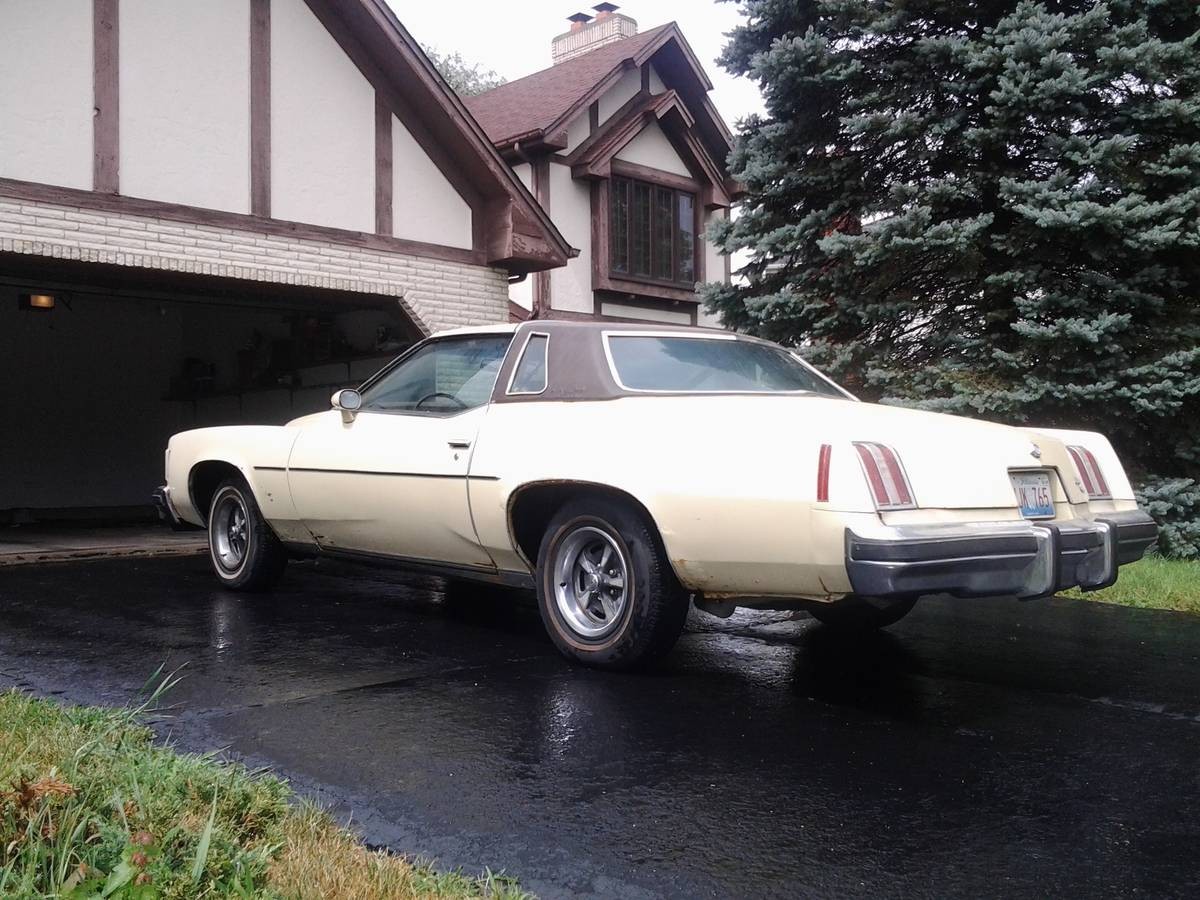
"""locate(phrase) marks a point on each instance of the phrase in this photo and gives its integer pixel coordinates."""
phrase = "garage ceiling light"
(36, 301)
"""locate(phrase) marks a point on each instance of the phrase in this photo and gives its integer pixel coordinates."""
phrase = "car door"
(393, 481)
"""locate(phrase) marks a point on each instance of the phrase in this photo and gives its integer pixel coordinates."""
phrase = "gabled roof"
(536, 108)
(518, 234)
(531, 105)
(594, 157)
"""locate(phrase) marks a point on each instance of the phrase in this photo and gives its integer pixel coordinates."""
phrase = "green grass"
(92, 806)
(1153, 583)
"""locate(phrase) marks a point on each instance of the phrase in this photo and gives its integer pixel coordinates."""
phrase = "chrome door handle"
(459, 444)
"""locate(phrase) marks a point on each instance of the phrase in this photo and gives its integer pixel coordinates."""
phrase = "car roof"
(498, 328)
(582, 324)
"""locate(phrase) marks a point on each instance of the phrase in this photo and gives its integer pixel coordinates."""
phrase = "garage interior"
(101, 365)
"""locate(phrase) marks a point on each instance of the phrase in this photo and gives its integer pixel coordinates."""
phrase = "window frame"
(655, 187)
(606, 336)
(508, 391)
(416, 348)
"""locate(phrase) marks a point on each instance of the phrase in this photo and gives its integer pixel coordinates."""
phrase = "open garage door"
(99, 366)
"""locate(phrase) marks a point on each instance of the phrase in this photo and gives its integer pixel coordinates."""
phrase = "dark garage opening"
(94, 386)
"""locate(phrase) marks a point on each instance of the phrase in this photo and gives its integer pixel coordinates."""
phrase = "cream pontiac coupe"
(622, 471)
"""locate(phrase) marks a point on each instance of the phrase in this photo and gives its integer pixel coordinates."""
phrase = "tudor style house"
(217, 212)
(620, 144)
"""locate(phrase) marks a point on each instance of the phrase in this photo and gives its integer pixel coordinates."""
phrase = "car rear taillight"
(823, 474)
(885, 475)
(1089, 471)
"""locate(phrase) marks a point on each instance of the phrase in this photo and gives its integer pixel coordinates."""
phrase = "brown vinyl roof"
(532, 104)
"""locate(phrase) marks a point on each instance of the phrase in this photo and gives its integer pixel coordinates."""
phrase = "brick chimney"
(588, 33)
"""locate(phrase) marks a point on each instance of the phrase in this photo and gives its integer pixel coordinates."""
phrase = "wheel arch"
(205, 476)
(532, 505)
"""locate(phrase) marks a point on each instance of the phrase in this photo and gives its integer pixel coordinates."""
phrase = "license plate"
(1033, 494)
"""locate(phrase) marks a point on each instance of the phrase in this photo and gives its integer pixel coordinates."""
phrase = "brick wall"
(437, 294)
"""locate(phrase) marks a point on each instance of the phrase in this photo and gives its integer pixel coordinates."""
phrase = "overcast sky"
(513, 37)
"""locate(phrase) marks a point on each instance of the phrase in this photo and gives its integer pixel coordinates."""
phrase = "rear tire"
(856, 615)
(245, 553)
(606, 591)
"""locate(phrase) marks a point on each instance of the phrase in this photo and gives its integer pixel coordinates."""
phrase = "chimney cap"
(606, 7)
(580, 18)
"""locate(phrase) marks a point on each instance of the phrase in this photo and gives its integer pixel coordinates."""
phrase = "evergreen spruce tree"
(984, 207)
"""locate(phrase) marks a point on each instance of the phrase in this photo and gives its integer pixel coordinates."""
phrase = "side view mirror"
(349, 402)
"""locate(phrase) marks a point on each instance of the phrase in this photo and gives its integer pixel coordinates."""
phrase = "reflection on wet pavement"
(979, 747)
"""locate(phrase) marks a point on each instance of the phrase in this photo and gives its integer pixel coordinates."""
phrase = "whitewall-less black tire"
(246, 555)
(606, 591)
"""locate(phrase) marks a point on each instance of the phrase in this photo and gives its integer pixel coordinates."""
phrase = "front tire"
(857, 615)
(606, 591)
(246, 555)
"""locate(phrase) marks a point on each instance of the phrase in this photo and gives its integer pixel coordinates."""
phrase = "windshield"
(441, 378)
(710, 365)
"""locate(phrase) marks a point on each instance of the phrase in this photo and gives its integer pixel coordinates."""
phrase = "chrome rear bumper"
(1028, 558)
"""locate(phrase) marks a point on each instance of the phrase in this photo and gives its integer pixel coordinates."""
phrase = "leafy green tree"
(984, 207)
(466, 78)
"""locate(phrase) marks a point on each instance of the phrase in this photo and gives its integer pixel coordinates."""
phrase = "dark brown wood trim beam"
(260, 108)
(192, 215)
(601, 223)
(655, 176)
(326, 12)
(594, 117)
(391, 60)
(383, 166)
(106, 119)
(632, 288)
(728, 259)
(645, 78)
(540, 176)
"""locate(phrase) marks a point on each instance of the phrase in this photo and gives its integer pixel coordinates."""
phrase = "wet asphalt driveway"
(978, 748)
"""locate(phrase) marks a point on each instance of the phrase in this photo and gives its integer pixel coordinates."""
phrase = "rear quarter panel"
(734, 514)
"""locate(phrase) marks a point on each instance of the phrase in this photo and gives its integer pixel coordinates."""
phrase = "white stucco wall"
(571, 209)
(185, 102)
(524, 171)
(578, 131)
(626, 311)
(425, 206)
(322, 126)
(651, 148)
(714, 262)
(617, 96)
(620, 94)
(46, 96)
(656, 83)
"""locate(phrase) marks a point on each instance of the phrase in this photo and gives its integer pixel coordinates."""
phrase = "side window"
(530, 376)
(442, 378)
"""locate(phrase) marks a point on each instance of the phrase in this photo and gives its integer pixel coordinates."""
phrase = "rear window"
(530, 374)
(710, 365)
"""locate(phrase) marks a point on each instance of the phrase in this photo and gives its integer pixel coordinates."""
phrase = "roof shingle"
(535, 102)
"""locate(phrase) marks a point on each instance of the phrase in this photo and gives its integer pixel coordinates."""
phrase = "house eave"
(505, 203)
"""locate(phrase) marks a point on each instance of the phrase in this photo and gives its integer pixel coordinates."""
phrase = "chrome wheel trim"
(229, 532)
(591, 582)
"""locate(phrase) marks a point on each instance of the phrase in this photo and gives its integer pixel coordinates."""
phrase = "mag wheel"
(606, 592)
(245, 553)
